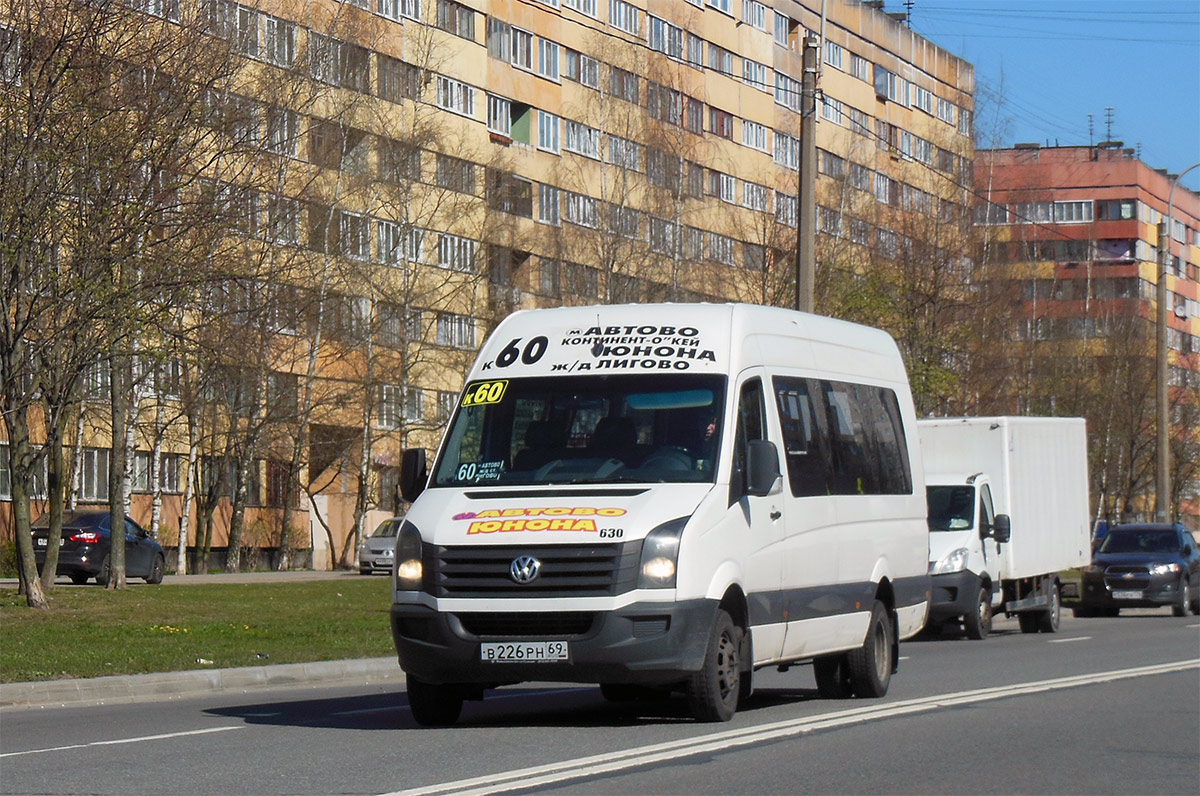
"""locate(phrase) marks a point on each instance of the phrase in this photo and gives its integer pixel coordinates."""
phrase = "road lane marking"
(580, 768)
(1068, 640)
(111, 742)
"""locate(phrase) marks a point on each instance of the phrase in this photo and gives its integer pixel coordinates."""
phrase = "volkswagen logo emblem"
(524, 569)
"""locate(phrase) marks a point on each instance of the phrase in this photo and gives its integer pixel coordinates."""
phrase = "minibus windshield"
(585, 430)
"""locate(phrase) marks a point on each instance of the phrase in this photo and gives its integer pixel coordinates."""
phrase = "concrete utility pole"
(806, 223)
(1162, 499)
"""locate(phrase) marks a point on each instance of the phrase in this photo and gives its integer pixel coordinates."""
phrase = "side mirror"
(1187, 550)
(763, 476)
(1002, 528)
(414, 473)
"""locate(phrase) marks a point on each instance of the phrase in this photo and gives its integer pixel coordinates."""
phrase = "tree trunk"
(116, 471)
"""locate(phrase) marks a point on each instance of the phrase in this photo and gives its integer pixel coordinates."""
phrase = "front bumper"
(954, 595)
(374, 563)
(652, 644)
(1149, 591)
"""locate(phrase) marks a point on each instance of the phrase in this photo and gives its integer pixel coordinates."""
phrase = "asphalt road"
(1104, 706)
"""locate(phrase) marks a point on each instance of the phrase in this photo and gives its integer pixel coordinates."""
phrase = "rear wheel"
(833, 677)
(433, 705)
(713, 691)
(105, 573)
(979, 623)
(79, 578)
(871, 665)
(1049, 619)
(1180, 608)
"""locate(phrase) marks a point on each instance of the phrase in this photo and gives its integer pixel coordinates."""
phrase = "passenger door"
(760, 520)
(138, 552)
(991, 548)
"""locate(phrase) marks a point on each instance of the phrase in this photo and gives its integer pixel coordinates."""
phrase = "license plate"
(524, 652)
(41, 542)
(1127, 595)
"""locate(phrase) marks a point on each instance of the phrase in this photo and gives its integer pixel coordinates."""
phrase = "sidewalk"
(173, 685)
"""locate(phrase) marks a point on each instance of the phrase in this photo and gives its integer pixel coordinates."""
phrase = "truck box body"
(1038, 471)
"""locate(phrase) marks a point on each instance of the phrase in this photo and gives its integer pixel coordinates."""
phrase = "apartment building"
(1074, 233)
(435, 164)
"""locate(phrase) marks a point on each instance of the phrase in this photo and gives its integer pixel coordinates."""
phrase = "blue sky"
(1042, 67)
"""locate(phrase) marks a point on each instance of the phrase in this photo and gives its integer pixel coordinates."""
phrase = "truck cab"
(965, 561)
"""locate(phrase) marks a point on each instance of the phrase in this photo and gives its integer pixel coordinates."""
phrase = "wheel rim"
(883, 666)
(727, 667)
(985, 613)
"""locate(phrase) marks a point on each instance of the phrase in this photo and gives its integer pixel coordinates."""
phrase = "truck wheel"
(1180, 608)
(979, 623)
(1049, 620)
(1028, 622)
(871, 664)
(833, 677)
(433, 705)
(713, 691)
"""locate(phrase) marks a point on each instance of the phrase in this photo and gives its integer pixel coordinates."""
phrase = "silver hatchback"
(377, 551)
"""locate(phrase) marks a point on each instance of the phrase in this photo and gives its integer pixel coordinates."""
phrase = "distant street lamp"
(1163, 482)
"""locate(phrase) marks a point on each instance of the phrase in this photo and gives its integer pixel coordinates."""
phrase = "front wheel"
(1180, 608)
(713, 691)
(433, 705)
(156, 571)
(871, 664)
(979, 624)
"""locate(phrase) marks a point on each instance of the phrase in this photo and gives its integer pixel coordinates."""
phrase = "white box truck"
(660, 498)
(1008, 510)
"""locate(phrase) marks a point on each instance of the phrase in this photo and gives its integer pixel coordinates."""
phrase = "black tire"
(1048, 621)
(1081, 611)
(979, 623)
(79, 578)
(156, 570)
(433, 705)
(1112, 611)
(1028, 622)
(871, 664)
(105, 573)
(833, 677)
(1180, 608)
(714, 690)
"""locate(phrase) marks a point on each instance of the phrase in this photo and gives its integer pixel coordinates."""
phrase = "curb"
(131, 688)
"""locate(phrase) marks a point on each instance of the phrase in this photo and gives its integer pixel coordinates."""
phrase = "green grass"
(90, 632)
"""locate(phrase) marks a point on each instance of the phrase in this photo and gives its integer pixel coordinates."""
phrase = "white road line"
(1068, 640)
(539, 776)
(123, 740)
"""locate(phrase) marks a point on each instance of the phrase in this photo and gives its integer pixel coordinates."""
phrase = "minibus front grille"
(562, 570)
(527, 626)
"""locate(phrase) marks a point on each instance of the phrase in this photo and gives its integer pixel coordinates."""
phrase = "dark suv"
(1142, 566)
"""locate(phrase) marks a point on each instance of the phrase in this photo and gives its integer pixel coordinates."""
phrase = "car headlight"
(954, 561)
(1164, 569)
(409, 569)
(660, 556)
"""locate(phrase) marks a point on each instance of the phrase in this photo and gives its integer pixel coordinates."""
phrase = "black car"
(86, 542)
(1142, 566)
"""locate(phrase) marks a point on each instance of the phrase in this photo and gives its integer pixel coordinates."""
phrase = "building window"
(455, 96)
(787, 150)
(398, 80)
(785, 209)
(455, 174)
(754, 135)
(787, 91)
(754, 14)
(720, 122)
(755, 196)
(391, 401)
(456, 253)
(279, 41)
(666, 38)
(456, 19)
(549, 132)
(582, 6)
(860, 67)
(457, 331)
(623, 84)
(93, 474)
(582, 69)
(624, 153)
(720, 59)
(623, 16)
(755, 74)
(834, 54)
(522, 49)
(581, 210)
(831, 109)
(499, 116)
(582, 139)
(548, 59)
(1079, 212)
(549, 204)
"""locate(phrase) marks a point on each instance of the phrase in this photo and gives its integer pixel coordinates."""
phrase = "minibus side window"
(805, 439)
(751, 425)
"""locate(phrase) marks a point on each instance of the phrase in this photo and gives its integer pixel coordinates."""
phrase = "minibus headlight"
(954, 561)
(409, 570)
(660, 556)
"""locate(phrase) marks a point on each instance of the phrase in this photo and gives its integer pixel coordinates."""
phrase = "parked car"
(87, 541)
(377, 551)
(1142, 566)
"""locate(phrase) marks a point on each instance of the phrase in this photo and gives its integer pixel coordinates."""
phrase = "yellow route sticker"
(485, 392)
